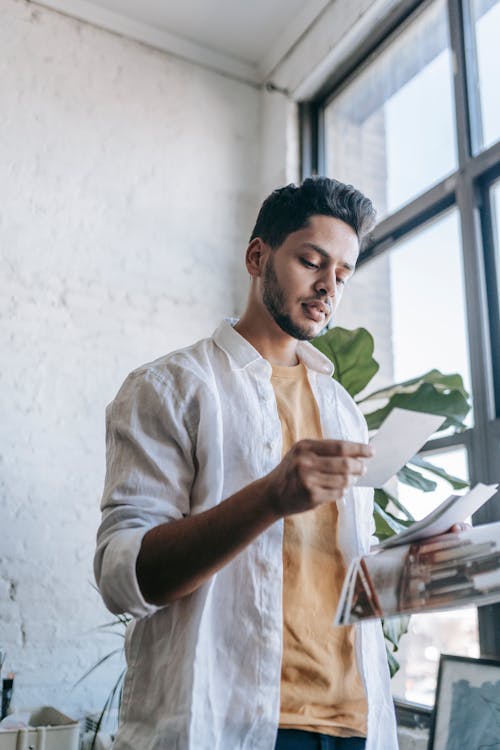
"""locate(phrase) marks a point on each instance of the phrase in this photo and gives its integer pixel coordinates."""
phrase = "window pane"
(496, 220)
(411, 299)
(451, 632)
(391, 131)
(486, 16)
(429, 635)
(454, 462)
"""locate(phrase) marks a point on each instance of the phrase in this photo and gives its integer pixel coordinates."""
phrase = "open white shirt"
(184, 433)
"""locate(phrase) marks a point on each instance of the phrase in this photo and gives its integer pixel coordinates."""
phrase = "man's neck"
(274, 345)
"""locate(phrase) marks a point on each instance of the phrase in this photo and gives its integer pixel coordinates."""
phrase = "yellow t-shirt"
(321, 690)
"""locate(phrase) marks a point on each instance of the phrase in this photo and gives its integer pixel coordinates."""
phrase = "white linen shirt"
(183, 433)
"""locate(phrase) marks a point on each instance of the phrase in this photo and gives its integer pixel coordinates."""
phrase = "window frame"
(468, 189)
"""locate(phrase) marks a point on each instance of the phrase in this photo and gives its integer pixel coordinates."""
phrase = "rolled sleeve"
(149, 475)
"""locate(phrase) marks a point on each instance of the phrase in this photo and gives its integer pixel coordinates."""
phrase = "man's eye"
(308, 264)
(341, 281)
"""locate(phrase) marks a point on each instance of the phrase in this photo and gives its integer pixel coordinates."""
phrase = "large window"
(399, 93)
(413, 119)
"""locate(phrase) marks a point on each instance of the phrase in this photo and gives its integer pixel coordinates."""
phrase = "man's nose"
(327, 285)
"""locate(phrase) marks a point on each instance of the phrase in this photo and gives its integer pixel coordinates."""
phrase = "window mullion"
(467, 110)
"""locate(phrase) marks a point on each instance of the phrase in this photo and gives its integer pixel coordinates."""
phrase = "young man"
(230, 512)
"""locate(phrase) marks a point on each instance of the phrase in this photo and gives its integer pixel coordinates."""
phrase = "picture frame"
(467, 707)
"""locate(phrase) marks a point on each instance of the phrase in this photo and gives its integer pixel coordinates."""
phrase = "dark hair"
(289, 208)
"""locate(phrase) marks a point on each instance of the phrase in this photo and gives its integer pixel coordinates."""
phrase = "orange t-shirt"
(321, 690)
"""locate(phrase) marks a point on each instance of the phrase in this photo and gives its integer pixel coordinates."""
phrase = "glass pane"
(451, 632)
(486, 17)
(379, 134)
(496, 221)
(454, 462)
(429, 635)
(411, 299)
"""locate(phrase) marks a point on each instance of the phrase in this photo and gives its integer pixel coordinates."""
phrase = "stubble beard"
(274, 299)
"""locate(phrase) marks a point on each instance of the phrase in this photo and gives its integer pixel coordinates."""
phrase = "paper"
(397, 440)
(455, 508)
(442, 572)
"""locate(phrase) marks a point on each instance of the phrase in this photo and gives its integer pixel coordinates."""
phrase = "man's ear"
(256, 253)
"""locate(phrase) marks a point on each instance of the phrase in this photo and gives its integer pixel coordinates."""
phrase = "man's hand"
(314, 472)
(458, 527)
(176, 558)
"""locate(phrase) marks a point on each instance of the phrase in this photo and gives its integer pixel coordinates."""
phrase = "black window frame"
(467, 189)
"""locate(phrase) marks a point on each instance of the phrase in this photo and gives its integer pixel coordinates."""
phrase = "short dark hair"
(289, 208)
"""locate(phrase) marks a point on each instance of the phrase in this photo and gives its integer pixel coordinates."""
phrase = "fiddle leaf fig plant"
(434, 392)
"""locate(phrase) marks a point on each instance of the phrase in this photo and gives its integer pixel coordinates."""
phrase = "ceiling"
(243, 38)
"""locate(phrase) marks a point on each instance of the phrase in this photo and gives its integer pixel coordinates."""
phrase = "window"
(400, 93)
(452, 631)
(413, 119)
(486, 19)
(399, 297)
(495, 194)
(492, 230)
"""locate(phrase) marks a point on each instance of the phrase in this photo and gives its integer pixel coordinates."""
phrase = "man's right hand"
(177, 557)
(314, 472)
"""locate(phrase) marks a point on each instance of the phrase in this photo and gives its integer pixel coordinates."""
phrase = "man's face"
(303, 279)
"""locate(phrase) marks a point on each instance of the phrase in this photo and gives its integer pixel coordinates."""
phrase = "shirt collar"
(242, 354)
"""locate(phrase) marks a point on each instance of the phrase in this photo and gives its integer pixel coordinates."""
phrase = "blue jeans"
(296, 739)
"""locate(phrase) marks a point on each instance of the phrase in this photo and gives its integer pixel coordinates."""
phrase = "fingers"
(345, 466)
(457, 527)
(337, 448)
(315, 472)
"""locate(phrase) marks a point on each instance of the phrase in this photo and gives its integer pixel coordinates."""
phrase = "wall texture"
(126, 198)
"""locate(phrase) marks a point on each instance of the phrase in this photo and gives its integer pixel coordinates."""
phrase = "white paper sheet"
(397, 440)
(454, 509)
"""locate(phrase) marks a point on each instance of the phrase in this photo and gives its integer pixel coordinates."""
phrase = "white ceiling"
(244, 38)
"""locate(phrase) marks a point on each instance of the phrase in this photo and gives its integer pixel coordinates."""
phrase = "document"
(455, 508)
(427, 573)
(397, 440)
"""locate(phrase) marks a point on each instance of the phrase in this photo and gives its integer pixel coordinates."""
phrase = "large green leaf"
(352, 355)
(407, 475)
(445, 383)
(456, 482)
(427, 398)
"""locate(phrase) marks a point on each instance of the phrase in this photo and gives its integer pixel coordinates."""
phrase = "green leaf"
(98, 664)
(427, 398)
(386, 525)
(394, 628)
(117, 688)
(456, 482)
(445, 383)
(352, 355)
(391, 660)
(382, 498)
(415, 479)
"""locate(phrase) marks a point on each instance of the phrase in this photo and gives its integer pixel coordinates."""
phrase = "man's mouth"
(316, 310)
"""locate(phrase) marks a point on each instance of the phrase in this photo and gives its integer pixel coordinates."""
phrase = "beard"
(275, 301)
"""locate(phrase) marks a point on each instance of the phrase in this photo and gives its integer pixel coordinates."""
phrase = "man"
(230, 512)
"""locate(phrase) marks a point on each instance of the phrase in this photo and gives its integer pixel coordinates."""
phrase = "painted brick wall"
(127, 194)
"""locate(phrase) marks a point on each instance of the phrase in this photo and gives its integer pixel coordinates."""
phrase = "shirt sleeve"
(149, 475)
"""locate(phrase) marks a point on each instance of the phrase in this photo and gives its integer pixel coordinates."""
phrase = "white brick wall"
(127, 193)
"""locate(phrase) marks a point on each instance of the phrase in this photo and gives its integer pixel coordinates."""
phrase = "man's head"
(303, 250)
(288, 209)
